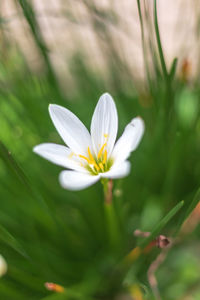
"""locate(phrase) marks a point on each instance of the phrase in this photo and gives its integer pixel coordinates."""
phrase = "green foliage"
(48, 234)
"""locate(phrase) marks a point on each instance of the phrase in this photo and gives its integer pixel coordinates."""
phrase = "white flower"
(91, 156)
(3, 266)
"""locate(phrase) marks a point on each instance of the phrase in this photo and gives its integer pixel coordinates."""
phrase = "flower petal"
(104, 124)
(70, 128)
(129, 140)
(118, 171)
(59, 155)
(75, 181)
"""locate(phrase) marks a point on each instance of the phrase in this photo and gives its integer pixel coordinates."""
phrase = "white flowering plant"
(91, 156)
(98, 222)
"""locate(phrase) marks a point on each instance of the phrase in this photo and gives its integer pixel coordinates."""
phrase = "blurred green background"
(48, 234)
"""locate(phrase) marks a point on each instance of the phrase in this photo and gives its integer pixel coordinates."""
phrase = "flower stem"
(107, 186)
(110, 215)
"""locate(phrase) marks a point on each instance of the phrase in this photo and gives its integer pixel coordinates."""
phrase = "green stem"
(110, 214)
(112, 225)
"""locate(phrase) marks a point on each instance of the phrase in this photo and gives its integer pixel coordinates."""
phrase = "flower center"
(98, 164)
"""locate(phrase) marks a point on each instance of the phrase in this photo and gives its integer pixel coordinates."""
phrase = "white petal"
(129, 140)
(104, 124)
(75, 181)
(59, 155)
(71, 129)
(118, 171)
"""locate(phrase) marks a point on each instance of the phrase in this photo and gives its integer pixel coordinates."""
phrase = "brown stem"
(151, 272)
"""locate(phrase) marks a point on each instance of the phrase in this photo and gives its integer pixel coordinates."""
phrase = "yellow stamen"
(92, 160)
(104, 157)
(101, 151)
(101, 166)
(96, 166)
(105, 135)
(84, 157)
(90, 155)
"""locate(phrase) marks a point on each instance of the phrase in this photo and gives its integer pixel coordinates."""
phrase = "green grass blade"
(173, 68)
(161, 225)
(17, 170)
(8, 239)
(12, 164)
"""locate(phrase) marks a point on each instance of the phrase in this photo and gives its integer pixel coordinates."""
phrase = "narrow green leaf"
(173, 68)
(8, 239)
(161, 225)
(17, 170)
(11, 163)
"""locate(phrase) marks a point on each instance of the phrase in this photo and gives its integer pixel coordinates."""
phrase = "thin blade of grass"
(161, 225)
(8, 239)
(17, 170)
(173, 68)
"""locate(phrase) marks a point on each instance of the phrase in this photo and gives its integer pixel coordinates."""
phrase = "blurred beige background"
(89, 27)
